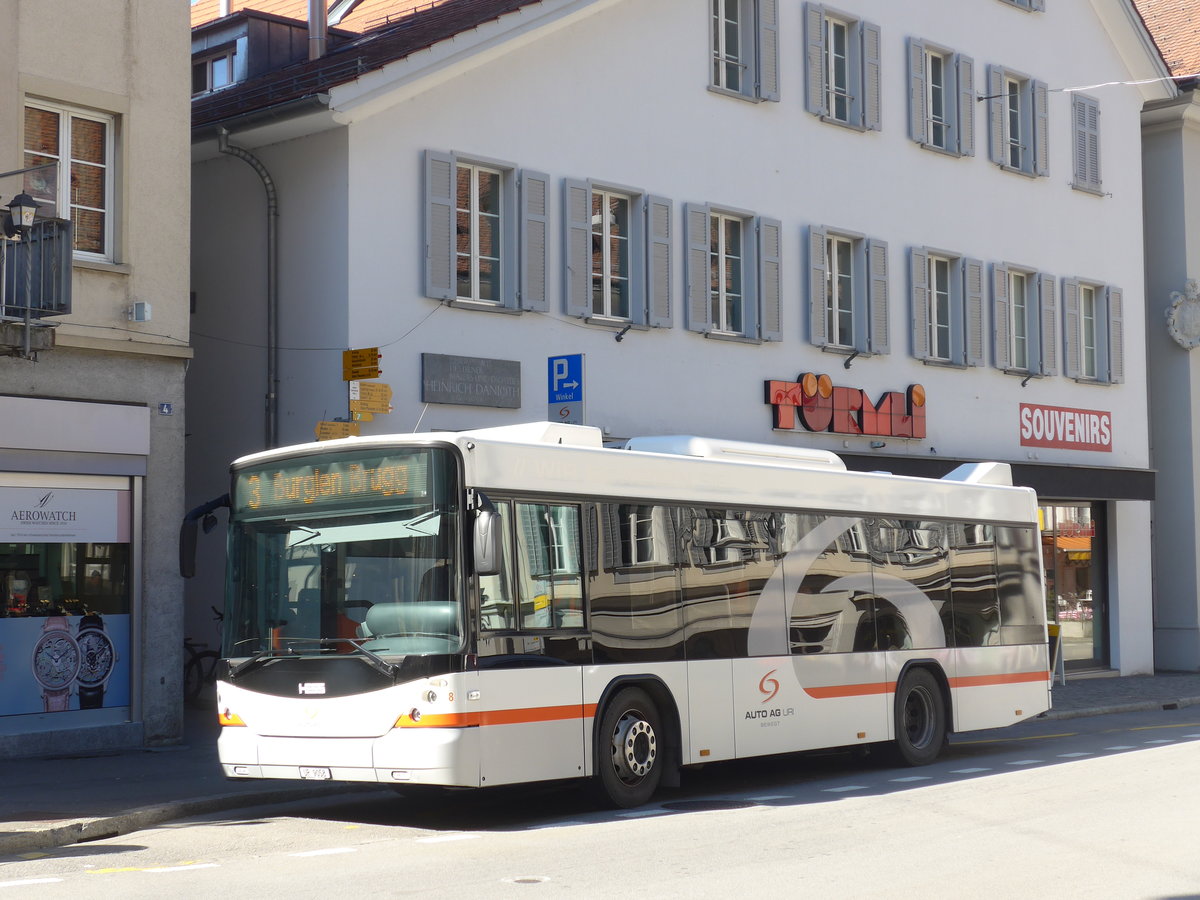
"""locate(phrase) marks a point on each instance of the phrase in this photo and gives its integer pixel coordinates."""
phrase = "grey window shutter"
(996, 148)
(1087, 142)
(964, 68)
(612, 522)
(918, 91)
(1072, 343)
(535, 222)
(577, 202)
(814, 58)
(440, 243)
(695, 237)
(918, 267)
(658, 260)
(1048, 308)
(1116, 335)
(878, 340)
(1001, 326)
(973, 311)
(768, 49)
(1037, 5)
(818, 279)
(769, 286)
(872, 76)
(1041, 129)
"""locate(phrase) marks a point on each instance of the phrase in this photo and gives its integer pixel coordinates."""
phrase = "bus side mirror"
(488, 542)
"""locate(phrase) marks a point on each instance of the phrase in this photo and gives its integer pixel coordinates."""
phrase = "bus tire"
(629, 751)
(920, 718)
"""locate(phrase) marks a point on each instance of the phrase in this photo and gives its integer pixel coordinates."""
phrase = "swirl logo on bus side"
(769, 686)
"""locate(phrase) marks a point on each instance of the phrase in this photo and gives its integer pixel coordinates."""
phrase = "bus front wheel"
(629, 756)
(920, 718)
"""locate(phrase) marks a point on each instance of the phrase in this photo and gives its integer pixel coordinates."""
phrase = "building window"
(843, 68)
(745, 48)
(1018, 122)
(80, 187)
(213, 73)
(947, 307)
(848, 292)
(485, 233)
(618, 266)
(1024, 317)
(941, 98)
(1094, 332)
(733, 276)
(1085, 114)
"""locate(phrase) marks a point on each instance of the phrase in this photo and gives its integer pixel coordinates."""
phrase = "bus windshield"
(333, 553)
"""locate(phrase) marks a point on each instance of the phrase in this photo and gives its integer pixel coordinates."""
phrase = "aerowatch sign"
(819, 405)
(1064, 428)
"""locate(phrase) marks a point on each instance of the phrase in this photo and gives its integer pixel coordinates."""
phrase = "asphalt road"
(1099, 807)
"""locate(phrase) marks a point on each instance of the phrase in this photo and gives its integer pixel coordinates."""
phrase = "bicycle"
(200, 669)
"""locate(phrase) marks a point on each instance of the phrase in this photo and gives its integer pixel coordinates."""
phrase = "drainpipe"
(272, 410)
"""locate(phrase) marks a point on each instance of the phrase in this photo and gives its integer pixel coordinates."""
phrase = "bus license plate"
(314, 773)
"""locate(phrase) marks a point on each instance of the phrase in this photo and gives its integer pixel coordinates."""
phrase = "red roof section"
(429, 24)
(363, 16)
(1175, 27)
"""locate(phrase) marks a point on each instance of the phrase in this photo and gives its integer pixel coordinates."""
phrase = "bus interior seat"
(408, 618)
(435, 583)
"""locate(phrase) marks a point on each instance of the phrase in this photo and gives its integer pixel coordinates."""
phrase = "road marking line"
(912, 778)
(968, 771)
(22, 883)
(769, 798)
(844, 788)
(1025, 762)
(641, 813)
(187, 867)
(1032, 737)
(328, 851)
(1160, 741)
(1121, 747)
(1073, 755)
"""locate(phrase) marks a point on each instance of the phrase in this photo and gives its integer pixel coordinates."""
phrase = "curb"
(102, 827)
(1131, 706)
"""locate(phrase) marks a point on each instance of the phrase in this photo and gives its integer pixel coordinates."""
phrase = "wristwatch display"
(56, 662)
(96, 659)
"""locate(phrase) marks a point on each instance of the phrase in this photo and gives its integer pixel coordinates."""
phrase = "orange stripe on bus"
(850, 690)
(499, 717)
(1007, 678)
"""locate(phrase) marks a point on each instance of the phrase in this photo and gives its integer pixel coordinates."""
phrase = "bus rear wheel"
(628, 761)
(920, 718)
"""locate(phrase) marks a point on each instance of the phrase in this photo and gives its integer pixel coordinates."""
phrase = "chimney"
(316, 28)
(223, 8)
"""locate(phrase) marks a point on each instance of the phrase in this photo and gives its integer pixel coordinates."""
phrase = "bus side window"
(549, 580)
(496, 611)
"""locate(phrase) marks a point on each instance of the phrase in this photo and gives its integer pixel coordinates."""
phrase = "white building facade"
(910, 234)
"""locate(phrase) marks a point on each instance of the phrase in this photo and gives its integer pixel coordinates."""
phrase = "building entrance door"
(1073, 552)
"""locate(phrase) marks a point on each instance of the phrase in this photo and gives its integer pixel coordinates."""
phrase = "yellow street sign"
(327, 431)
(361, 363)
(358, 416)
(370, 397)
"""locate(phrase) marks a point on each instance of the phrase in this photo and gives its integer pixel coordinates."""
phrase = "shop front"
(1074, 554)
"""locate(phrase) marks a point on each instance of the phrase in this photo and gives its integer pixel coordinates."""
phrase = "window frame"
(34, 181)
(1031, 118)
(958, 97)
(869, 292)
(757, 23)
(523, 238)
(227, 56)
(651, 231)
(761, 272)
(965, 323)
(1039, 321)
(863, 67)
(1108, 337)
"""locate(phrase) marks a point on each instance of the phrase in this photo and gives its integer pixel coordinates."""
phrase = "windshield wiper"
(312, 533)
(377, 662)
(262, 657)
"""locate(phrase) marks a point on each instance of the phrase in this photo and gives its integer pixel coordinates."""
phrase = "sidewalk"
(55, 802)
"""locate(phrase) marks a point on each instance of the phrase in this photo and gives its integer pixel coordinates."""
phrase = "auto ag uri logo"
(768, 686)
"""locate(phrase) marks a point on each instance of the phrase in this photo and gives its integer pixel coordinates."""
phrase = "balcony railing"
(35, 272)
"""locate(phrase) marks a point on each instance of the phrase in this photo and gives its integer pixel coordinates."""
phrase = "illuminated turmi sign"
(819, 405)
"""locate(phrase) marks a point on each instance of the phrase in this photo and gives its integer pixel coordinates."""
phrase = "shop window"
(1073, 554)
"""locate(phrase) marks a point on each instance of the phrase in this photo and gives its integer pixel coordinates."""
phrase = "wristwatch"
(56, 660)
(97, 655)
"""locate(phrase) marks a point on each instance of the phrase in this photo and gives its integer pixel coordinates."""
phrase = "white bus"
(524, 604)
